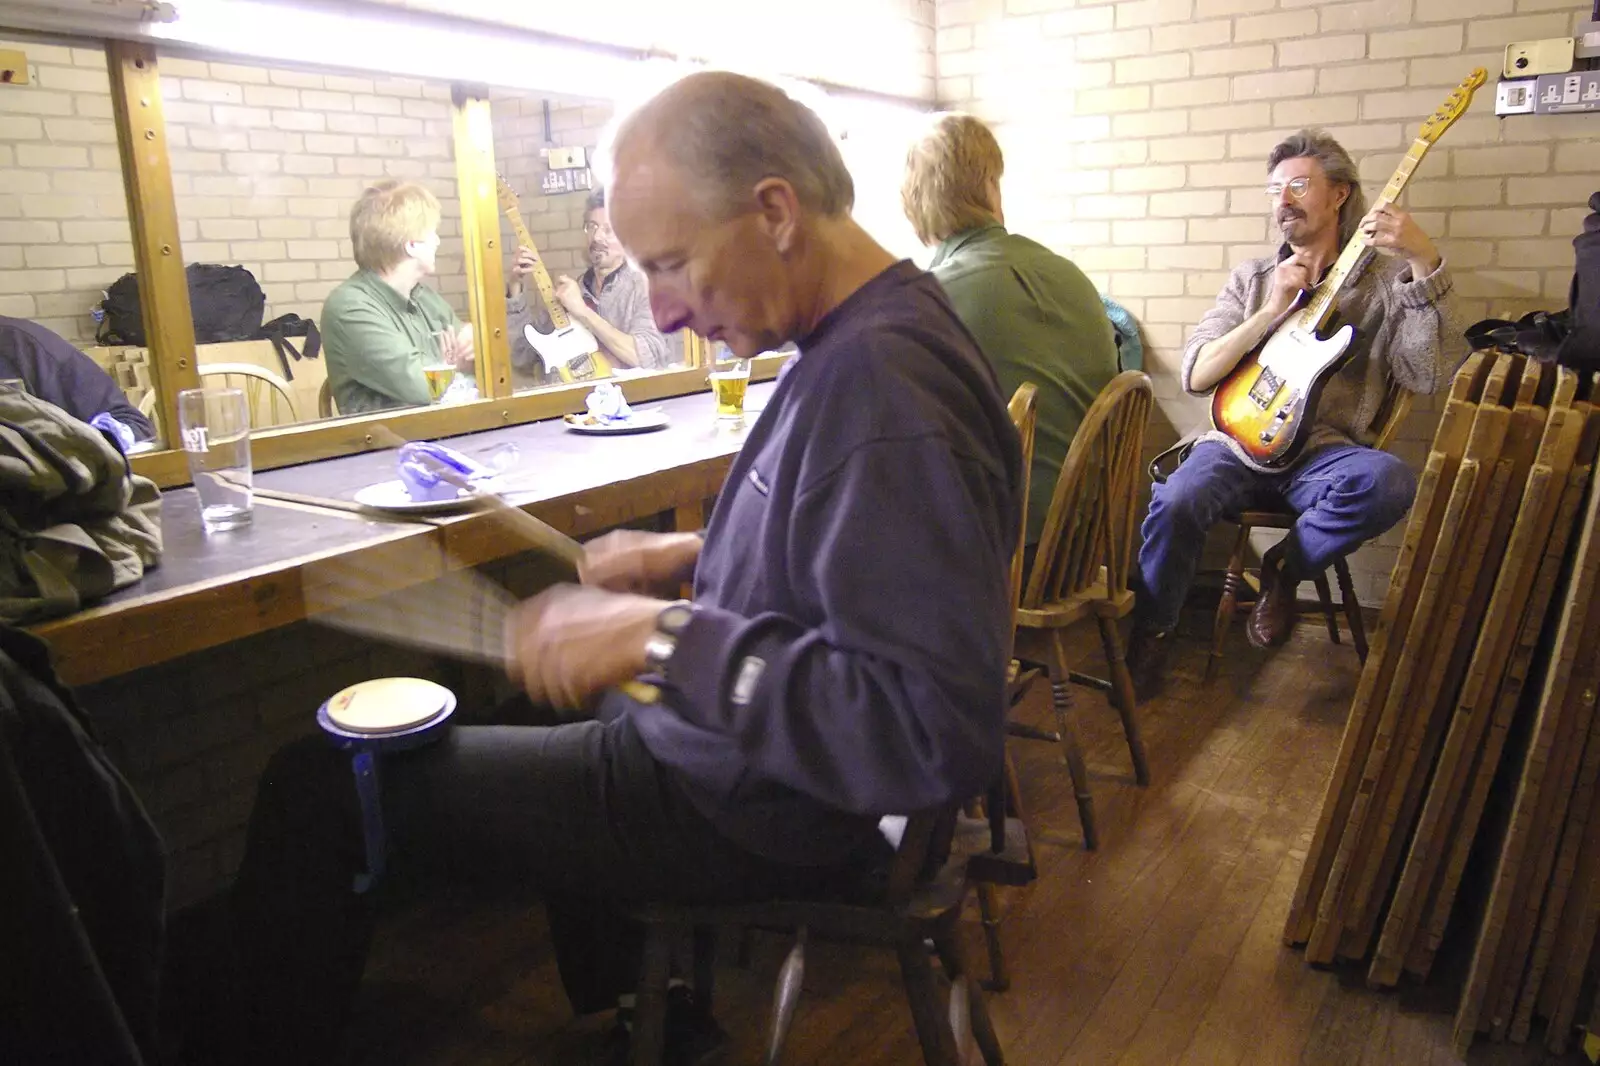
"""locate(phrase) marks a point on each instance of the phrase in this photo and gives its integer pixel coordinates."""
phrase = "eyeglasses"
(591, 228)
(1298, 187)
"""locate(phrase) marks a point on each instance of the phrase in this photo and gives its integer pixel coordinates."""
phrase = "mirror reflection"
(66, 242)
(576, 308)
(320, 221)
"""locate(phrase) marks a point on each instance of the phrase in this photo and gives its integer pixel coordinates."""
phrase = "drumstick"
(539, 534)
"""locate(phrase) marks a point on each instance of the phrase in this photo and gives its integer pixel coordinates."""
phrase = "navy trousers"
(1345, 496)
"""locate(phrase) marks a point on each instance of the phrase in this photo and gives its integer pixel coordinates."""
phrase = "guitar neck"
(541, 277)
(1353, 257)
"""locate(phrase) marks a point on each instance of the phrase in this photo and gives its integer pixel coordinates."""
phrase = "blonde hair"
(388, 215)
(948, 171)
(730, 132)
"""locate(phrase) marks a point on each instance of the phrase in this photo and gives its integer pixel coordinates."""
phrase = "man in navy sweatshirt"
(844, 655)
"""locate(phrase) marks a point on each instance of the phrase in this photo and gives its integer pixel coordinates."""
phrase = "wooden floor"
(1162, 948)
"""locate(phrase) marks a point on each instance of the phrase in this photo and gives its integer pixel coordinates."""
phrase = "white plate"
(392, 496)
(638, 422)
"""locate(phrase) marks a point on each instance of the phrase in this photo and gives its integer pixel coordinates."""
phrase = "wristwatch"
(670, 624)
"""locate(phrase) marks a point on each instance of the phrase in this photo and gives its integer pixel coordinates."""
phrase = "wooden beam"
(153, 217)
(289, 445)
(480, 234)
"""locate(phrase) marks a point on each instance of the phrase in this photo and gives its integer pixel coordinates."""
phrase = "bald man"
(844, 656)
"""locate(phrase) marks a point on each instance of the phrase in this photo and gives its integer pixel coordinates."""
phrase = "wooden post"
(480, 233)
(153, 217)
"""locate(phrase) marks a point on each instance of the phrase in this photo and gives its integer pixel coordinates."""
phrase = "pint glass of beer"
(729, 380)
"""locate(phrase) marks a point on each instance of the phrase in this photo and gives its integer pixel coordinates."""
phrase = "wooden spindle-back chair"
(1080, 571)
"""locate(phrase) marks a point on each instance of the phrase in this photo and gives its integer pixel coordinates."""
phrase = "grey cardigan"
(1406, 329)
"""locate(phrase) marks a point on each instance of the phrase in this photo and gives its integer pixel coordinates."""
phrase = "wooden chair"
(1080, 571)
(1391, 413)
(927, 885)
(266, 395)
(325, 405)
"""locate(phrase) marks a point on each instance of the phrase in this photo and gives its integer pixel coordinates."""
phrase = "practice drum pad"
(389, 705)
(385, 715)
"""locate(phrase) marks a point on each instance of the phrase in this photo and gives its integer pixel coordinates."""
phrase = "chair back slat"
(1089, 529)
(1024, 410)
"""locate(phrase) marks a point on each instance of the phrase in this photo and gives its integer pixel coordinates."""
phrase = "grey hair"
(596, 200)
(1335, 163)
(730, 132)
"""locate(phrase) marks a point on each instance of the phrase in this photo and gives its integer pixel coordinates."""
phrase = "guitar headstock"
(507, 195)
(1454, 106)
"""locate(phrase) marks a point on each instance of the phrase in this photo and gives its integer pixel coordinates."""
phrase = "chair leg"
(1325, 598)
(1228, 604)
(705, 965)
(989, 913)
(1352, 609)
(791, 977)
(933, 1028)
(1122, 696)
(966, 999)
(648, 1040)
(1072, 753)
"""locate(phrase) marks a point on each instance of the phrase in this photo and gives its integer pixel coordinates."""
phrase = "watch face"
(674, 618)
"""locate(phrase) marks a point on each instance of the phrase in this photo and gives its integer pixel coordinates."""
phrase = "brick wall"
(1136, 133)
(266, 164)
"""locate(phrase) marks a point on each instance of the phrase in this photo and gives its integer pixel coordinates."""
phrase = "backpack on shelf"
(226, 302)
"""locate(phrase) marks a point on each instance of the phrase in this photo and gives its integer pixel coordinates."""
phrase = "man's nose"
(670, 312)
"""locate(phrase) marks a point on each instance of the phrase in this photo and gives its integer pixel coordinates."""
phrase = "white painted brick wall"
(266, 164)
(1200, 90)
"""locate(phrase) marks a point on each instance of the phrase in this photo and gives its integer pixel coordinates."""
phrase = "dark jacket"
(848, 655)
(81, 882)
(58, 373)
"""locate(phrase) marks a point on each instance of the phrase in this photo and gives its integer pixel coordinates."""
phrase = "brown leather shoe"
(1272, 618)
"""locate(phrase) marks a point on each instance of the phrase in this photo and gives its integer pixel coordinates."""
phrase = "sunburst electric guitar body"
(567, 347)
(1268, 402)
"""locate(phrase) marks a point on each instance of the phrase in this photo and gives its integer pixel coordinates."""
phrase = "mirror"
(331, 200)
(67, 240)
(576, 309)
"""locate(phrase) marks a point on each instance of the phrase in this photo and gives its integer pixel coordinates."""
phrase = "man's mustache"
(1290, 214)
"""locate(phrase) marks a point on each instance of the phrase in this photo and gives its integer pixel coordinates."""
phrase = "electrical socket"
(1562, 93)
(1516, 97)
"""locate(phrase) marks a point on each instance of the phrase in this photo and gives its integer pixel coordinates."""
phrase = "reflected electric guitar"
(1268, 401)
(568, 348)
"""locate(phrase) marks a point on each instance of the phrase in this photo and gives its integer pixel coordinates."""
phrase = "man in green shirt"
(1033, 313)
(379, 326)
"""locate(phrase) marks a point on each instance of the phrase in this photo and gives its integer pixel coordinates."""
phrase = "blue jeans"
(1345, 494)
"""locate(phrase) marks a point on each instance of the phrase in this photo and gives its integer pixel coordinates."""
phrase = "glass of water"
(214, 424)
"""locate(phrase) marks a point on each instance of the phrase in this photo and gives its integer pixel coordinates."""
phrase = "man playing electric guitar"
(1345, 491)
(612, 301)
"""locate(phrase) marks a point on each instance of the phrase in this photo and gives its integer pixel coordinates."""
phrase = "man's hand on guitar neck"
(526, 261)
(1390, 231)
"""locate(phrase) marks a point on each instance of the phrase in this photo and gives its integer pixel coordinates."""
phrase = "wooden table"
(214, 588)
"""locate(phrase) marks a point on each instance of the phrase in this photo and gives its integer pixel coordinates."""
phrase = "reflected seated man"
(611, 301)
(381, 327)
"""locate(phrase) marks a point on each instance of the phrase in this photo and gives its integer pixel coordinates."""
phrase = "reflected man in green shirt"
(1033, 313)
(378, 326)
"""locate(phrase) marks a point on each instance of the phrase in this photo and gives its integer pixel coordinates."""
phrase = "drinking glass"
(214, 425)
(729, 380)
(437, 369)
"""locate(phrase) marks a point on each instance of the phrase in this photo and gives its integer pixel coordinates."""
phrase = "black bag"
(1570, 337)
(280, 329)
(226, 302)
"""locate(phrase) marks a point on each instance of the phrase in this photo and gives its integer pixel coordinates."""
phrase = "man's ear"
(779, 209)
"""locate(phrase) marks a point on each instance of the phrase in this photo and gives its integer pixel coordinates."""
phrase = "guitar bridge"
(1265, 388)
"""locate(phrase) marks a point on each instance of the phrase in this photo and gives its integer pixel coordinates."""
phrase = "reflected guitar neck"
(541, 277)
